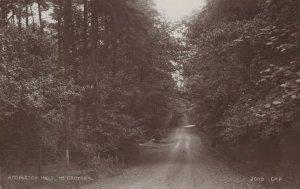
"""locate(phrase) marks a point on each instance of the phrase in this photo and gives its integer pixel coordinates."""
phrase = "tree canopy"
(90, 75)
(243, 69)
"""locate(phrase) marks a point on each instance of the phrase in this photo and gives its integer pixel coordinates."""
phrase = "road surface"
(179, 162)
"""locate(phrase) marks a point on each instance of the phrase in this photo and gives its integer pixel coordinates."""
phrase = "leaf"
(269, 43)
(276, 102)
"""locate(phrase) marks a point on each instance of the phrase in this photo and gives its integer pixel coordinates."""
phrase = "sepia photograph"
(149, 94)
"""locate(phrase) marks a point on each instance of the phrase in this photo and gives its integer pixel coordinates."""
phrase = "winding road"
(179, 162)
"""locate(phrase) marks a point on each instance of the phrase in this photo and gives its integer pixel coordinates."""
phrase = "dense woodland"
(90, 77)
(93, 75)
(243, 74)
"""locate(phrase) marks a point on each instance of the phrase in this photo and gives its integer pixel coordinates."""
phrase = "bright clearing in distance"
(178, 9)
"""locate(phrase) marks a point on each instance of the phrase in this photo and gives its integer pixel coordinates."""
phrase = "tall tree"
(94, 57)
(67, 36)
(26, 13)
(40, 2)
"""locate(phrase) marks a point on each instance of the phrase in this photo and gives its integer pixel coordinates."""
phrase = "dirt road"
(179, 162)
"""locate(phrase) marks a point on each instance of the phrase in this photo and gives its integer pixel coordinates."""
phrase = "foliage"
(244, 70)
(66, 91)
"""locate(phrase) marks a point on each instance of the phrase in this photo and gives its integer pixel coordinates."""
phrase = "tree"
(98, 76)
(242, 64)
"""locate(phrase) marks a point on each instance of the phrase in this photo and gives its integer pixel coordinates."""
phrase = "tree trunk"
(3, 17)
(66, 127)
(85, 36)
(40, 164)
(67, 43)
(19, 17)
(85, 52)
(26, 16)
(67, 34)
(94, 61)
(76, 78)
(59, 11)
(13, 18)
(32, 16)
(40, 17)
